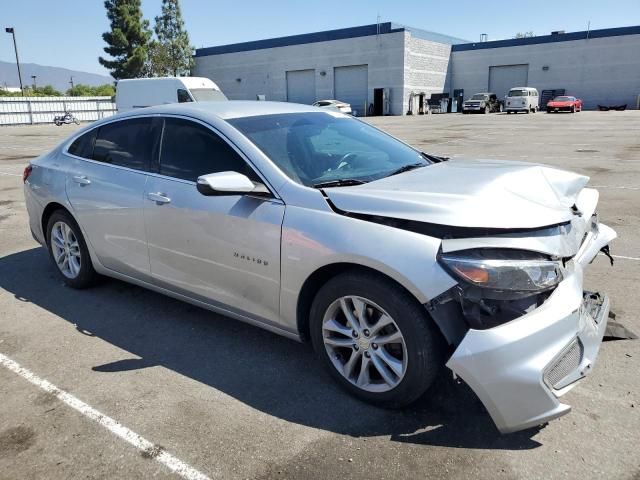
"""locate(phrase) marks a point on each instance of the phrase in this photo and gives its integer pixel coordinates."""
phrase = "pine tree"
(128, 39)
(171, 53)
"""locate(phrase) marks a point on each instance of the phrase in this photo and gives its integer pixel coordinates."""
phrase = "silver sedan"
(317, 226)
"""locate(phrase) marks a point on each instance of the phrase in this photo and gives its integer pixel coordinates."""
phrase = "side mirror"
(225, 183)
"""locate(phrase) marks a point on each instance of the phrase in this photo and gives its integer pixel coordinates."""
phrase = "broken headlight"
(504, 270)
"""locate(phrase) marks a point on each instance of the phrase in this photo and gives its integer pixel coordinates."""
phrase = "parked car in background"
(482, 103)
(334, 105)
(146, 92)
(522, 99)
(320, 227)
(564, 103)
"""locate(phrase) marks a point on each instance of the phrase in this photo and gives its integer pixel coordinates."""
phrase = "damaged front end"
(522, 329)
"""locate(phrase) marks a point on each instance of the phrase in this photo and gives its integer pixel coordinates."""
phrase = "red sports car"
(564, 104)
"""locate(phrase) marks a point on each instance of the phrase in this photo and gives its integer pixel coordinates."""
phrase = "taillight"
(26, 173)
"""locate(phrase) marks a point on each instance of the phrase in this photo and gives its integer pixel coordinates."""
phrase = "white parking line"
(613, 186)
(626, 258)
(172, 463)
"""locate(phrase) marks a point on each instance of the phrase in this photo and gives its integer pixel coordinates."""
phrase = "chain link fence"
(37, 110)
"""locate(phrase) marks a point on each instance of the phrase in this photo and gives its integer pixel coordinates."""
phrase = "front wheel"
(376, 340)
(68, 251)
(573, 109)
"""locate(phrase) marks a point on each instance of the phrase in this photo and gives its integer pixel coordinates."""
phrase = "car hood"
(469, 193)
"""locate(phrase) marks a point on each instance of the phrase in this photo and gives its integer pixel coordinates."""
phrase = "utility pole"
(33, 77)
(71, 81)
(15, 47)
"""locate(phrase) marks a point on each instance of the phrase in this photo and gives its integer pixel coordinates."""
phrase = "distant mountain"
(56, 76)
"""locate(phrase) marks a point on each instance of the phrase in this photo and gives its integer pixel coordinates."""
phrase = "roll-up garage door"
(350, 85)
(504, 77)
(301, 86)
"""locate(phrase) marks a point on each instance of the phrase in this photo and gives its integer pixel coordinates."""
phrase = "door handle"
(81, 180)
(159, 198)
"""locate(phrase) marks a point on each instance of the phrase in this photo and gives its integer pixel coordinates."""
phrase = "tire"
(62, 234)
(486, 110)
(573, 109)
(57, 123)
(76, 121)
(417, 358)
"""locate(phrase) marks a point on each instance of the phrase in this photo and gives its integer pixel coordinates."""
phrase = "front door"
(224, 250)
(105, 187)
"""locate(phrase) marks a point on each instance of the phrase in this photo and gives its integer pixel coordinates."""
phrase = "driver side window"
(190, 150)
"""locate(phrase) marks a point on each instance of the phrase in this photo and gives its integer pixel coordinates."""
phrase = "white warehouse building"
(389, 69)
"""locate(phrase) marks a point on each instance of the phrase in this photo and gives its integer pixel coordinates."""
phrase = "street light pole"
(71, 82)
(33, 77)
(15, 47)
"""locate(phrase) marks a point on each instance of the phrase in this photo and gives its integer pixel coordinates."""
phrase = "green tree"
(127, 42)
(81, 90)
(171, 53)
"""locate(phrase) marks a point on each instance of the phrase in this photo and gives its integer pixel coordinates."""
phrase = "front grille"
(565, 364)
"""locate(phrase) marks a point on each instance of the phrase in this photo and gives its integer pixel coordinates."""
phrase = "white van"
(145, 92)
(522, 99)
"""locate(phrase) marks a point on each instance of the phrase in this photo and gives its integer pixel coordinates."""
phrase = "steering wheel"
(343, 161)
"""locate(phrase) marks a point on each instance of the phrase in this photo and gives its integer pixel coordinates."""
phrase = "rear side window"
(190, 150)
(83, 145)
(127, 143)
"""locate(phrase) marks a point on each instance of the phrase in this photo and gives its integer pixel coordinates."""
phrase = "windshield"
(517, 93)
(207, 95)
(478, 96)
(314, 148)
(563, 99)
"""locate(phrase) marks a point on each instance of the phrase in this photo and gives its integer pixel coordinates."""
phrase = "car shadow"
(277, 376)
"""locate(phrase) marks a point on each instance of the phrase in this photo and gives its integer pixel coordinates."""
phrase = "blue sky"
(69, 35)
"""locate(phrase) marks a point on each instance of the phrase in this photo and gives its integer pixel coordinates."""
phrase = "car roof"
(222, 109)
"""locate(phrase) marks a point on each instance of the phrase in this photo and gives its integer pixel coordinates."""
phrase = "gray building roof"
(328, 35)
(558, 37)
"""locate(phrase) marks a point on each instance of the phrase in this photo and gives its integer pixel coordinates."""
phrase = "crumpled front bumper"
(520, 369)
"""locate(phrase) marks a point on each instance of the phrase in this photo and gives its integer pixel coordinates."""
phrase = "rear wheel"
(68, 251)
(376, 339)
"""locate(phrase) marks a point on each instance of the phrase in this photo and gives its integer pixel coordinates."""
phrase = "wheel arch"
(48, 211)
(321, 276)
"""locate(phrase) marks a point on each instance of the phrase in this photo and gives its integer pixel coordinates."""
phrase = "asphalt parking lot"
(228, 400)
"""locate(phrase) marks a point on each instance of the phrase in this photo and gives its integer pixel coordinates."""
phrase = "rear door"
(105, 188)
(224, 250)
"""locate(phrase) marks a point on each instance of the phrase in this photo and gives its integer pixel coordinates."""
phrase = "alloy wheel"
(364, 344)
(66, 250)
